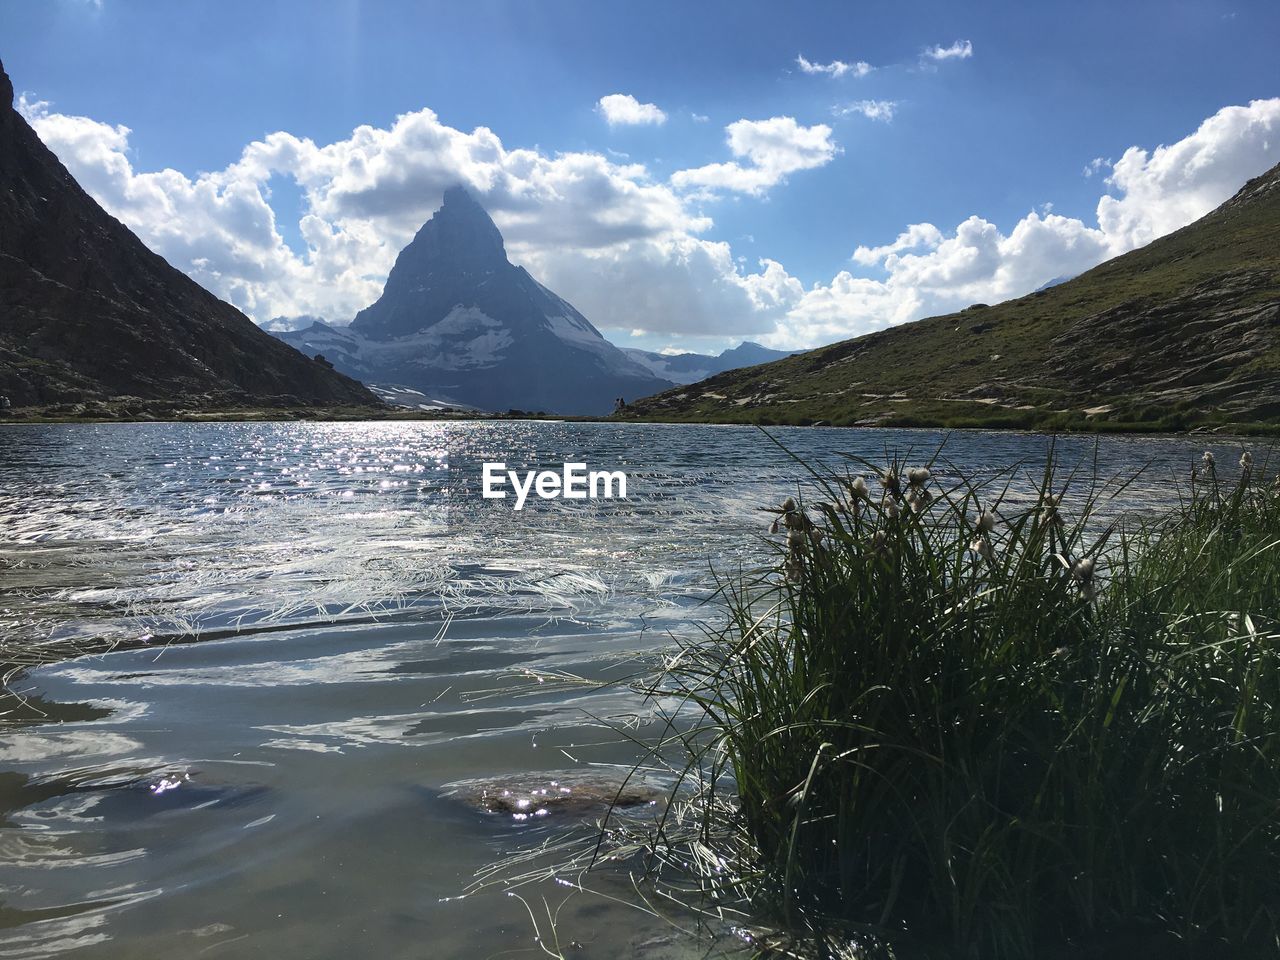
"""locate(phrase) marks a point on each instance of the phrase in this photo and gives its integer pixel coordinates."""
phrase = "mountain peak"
(459, 246)
(460, 230)
(457, 250)
(6, 89)
(459, 196)
(460, 322)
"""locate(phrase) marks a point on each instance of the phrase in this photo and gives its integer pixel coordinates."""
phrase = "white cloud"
(834, 69)
(916, 235)
(679, 285)
(364, 197)
(960, 50)
(976, 263)
(1095, 166)
(772, 149)
(1170, 186)
(624, 110)
(882, 110)
(590, 227)
(1154, 193)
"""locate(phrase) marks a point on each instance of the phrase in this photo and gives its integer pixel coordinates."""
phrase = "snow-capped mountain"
(686, 368)
(461, 323)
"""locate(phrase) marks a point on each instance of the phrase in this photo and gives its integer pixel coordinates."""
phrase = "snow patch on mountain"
(411, 399)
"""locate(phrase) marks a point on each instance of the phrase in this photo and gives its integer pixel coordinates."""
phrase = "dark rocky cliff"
(88, 312)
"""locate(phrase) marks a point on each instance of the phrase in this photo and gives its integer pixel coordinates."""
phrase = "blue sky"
(1007, 125)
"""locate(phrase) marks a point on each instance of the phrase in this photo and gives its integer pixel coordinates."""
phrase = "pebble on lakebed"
(558, 793)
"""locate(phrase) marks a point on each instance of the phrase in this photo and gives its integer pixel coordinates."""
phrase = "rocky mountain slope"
(87, 312)
(685, 368)
(459, 322)
(1184, 332)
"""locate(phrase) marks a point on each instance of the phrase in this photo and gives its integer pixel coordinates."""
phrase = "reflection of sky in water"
(367, 599)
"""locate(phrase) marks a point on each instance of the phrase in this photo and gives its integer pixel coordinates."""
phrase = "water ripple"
(378, 631)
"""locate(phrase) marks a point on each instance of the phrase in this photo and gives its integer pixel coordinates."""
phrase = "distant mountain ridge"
(1182, 333)
(87, 312)
(686, 368)
(457, 321)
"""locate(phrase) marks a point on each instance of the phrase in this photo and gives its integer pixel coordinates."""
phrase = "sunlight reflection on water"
(373, 614)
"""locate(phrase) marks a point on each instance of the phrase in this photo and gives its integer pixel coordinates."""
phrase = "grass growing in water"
(949, 725)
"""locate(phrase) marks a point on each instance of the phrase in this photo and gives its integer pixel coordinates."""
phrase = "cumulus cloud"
(590, 226)
(916, 235)
(834, 69)
(683, 285)
(1168, 187)
(364, 197)
(772, 149)
(926, 272)
(624, 110)
(882, 110)
(960, 50)
(975, 263)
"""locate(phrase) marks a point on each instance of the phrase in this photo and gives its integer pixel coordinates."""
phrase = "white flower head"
(891, 509)
(1083, 570)
(982, 547)
(986, 521)
(918, 476)
(795, 540)
(788, 504)
(859, 488)
(919, 499)
(1246, 461)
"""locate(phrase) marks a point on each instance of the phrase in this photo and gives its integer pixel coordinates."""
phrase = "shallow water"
(374, 630)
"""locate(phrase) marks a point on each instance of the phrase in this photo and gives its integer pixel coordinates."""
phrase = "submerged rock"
(559, 793)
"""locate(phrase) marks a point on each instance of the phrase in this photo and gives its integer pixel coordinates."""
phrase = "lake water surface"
(372, 631)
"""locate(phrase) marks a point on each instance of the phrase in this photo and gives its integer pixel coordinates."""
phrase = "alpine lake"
(305, 649)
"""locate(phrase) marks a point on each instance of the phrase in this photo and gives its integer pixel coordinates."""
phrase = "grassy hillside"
(1184, 332)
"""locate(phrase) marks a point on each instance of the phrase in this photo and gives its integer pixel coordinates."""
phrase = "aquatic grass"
(952, 720)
